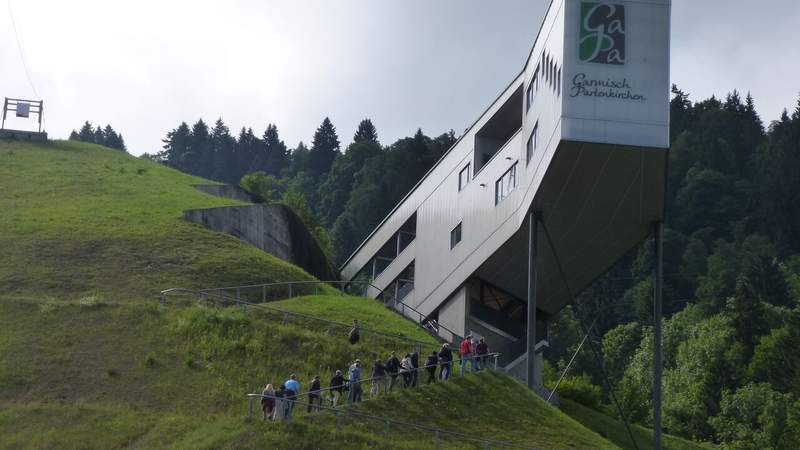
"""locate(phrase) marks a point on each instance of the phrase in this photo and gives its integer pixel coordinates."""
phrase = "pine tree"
(202, 156)
(224, 165)
(366, 132)
(324, 149)
(74, 136)
(298, 159)
(87, 132)
(98, 137)
(277, 155)
(177, 145)
(112, 139)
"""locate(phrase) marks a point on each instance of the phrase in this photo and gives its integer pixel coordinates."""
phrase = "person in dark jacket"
(445, 361)
(430, 366)
(280, 403)
(355, 332)
(415, 365)
(392, 368)
(336, 388)
(481, 350)
(378, 378)
(314, 394)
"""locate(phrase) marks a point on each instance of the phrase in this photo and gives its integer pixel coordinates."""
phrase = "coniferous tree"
(324, 149)
(335, 191)
(366, 132)
(224, 164)
(298, 159)
(86, 134)
(98, 136)
(277, 155)
(177, 145)
(201, 152)
(113, 139)
(73, 136)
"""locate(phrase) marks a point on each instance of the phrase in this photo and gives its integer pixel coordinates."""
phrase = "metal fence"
(437, 436)
(331, 327)
(266, 292)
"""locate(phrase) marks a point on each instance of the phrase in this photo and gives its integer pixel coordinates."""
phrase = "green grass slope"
(84, 220)
(614, 430)
(91, 360)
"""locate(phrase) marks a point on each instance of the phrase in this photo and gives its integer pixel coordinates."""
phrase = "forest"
(732, 259)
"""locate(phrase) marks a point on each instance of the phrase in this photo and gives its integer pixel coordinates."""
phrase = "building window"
(463, 177)
(532, 88)
(532, 143)
(558, 81)
(455, 235)
(505, 185)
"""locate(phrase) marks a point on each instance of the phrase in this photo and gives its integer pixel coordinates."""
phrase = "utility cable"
(21, 53)
(588, 332)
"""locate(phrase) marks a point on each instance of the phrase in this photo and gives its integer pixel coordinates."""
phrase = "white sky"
(144, 66)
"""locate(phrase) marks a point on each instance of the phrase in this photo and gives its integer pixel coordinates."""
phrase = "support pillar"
(658, 287)
(533, 248)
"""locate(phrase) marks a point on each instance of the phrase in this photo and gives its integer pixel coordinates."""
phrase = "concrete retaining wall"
(227, 191)
(274, 228)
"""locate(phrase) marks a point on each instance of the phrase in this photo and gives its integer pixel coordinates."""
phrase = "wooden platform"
(23, 135)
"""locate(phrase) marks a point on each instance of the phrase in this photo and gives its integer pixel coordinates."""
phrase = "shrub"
(580, 389)
(150, 359)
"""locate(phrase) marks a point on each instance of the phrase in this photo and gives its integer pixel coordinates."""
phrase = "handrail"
(202, 295)
(452, 363)
(437, 432)
(398, 305)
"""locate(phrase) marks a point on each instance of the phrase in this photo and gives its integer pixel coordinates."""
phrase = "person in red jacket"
(465, 351)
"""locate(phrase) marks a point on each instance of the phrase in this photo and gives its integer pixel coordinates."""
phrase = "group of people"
(278, 404)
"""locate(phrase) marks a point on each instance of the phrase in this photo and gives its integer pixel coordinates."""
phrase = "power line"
(21, 53)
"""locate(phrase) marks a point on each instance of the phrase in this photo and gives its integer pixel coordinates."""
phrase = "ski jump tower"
(561, 176)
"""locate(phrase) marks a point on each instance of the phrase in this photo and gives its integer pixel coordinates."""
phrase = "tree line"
(732, 287)
(100, 136)
(341, 195)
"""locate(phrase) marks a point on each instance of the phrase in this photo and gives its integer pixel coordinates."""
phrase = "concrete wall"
(275, 229)
(227, 191)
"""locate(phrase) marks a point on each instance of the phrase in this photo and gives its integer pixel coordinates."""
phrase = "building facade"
(579, 137)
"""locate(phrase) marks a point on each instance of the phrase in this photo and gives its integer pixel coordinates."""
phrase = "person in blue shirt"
(355, 382)
(293, 388)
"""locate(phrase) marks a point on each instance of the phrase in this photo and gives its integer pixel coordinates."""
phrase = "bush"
(581, 390)
(150, 359)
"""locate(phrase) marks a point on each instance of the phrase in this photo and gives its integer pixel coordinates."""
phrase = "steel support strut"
(658, 288)
(533, 247)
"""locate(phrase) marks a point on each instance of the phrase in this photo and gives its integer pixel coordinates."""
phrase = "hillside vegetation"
(92, 360)
(82, 221)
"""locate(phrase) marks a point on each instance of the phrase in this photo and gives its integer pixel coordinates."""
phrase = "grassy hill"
(87, 221)
(90, 359)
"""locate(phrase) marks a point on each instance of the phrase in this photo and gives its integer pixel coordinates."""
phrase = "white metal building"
(575, 145)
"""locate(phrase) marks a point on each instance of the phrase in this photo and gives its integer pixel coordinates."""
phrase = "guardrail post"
(264, 293)
(330, 328)
(495, 361)
(244, 309)
(163, 298)
(285, 318)
(386, 433)
(338, 421)
(290, 290)
(436, 439)
(238, 294)
(249, 407)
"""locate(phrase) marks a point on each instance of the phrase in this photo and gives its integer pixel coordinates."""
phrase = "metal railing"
(437, 434)
(265, 292)
(328, 325)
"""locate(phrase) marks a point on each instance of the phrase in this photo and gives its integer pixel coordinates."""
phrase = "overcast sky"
(144, 66)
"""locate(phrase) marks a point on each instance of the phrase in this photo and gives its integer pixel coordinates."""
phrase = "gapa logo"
(602, 33)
